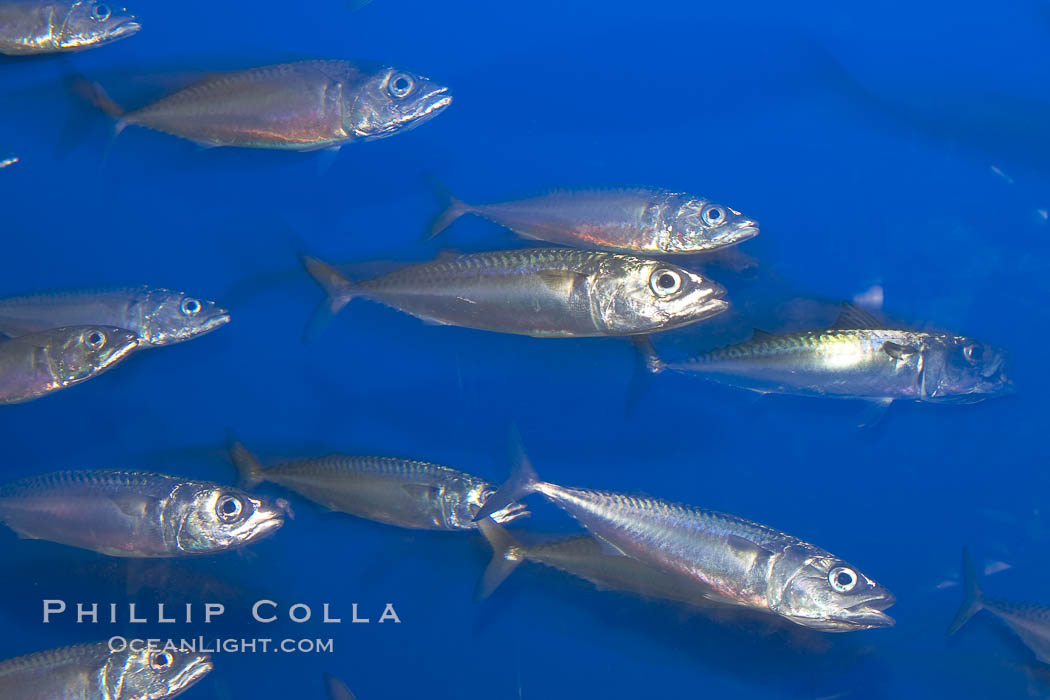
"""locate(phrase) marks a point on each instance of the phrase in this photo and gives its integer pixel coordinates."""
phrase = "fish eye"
(161, 660)
(843, 579)
(100, 12)
(229, 508)
(190, 307)
(94, 339)
(400, 85)
(973, 353)
(713, 215)
(665, 282)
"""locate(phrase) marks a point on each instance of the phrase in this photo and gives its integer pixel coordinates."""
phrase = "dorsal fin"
(758, 335)
(855, 318)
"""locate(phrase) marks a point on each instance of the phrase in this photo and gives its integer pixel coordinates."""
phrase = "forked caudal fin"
(454, 208)
(337, 287)
(522, 481)
(249, 471)
(973, 601)
(504, 561)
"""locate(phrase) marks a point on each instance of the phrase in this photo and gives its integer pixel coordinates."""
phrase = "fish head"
(79, 352)
(210, 518)
(90, 23)
(167, 317)
(963, 370)
(392, 100)
(817, 590)
(632, 295)
(157, 673)
(700, 224)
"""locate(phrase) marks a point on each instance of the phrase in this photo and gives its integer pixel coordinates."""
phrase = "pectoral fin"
(898, 351)
(560, 282)
(423, 492)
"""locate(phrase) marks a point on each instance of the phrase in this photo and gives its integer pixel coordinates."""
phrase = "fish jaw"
(192, 673)
(865, 615)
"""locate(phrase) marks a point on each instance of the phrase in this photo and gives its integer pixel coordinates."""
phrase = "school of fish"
(602, 271)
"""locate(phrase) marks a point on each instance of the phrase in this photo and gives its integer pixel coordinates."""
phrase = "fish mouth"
(217, 321)
(193, 672)
(432, 104)
(745, 230)
(709, 308)
(869, 613)
(124, 29)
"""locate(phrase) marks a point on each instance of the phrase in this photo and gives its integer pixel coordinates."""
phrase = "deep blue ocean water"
(884, 144)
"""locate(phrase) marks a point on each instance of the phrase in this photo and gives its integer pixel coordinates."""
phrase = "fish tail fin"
(97, 95)
(249, 472)
(337, 287)
(504, 560)
(454, 208)
(522, 481)
(336, 689)
(974, 598)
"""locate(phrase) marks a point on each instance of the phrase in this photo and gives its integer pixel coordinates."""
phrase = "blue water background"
(861, 136)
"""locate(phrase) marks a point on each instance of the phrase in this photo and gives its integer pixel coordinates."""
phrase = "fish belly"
(127, 525)
(382, 498)
(592, 221)
(524, 304)
(59, 681)
(292, 110)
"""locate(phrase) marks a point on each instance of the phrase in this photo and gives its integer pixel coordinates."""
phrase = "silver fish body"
(157, 316)
(54, 26)
(630, 220)
(1029, 621)
(302, 106)
(93, 672)
(740, 561)
(865, 362)
(584, 557)
(41, 363)
(405, 493)
(137, 514)
(540, 292)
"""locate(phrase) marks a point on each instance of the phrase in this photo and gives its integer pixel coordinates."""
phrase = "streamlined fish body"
(93, 672)
(740, 561)
(540, 292)
(857, 360)
(41, 363)
(635, 220)
(585, 557)
(136, 514)
(53, 26)
(157, 316)
(303, 106)
(405, 493)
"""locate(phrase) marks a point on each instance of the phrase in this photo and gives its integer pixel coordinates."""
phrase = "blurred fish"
(335, 689)
(158, 316)
(8, 160)
(399, 492)
(40, 363)
(586, 558)
(93, 672)
(137, 514)
(857, 358)
(739, 561)
(628, 220)
(1029, 621)
(53, 26)
(541, 292)
(305, 106)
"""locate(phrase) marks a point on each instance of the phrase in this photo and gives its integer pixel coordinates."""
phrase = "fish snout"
(869, 612)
